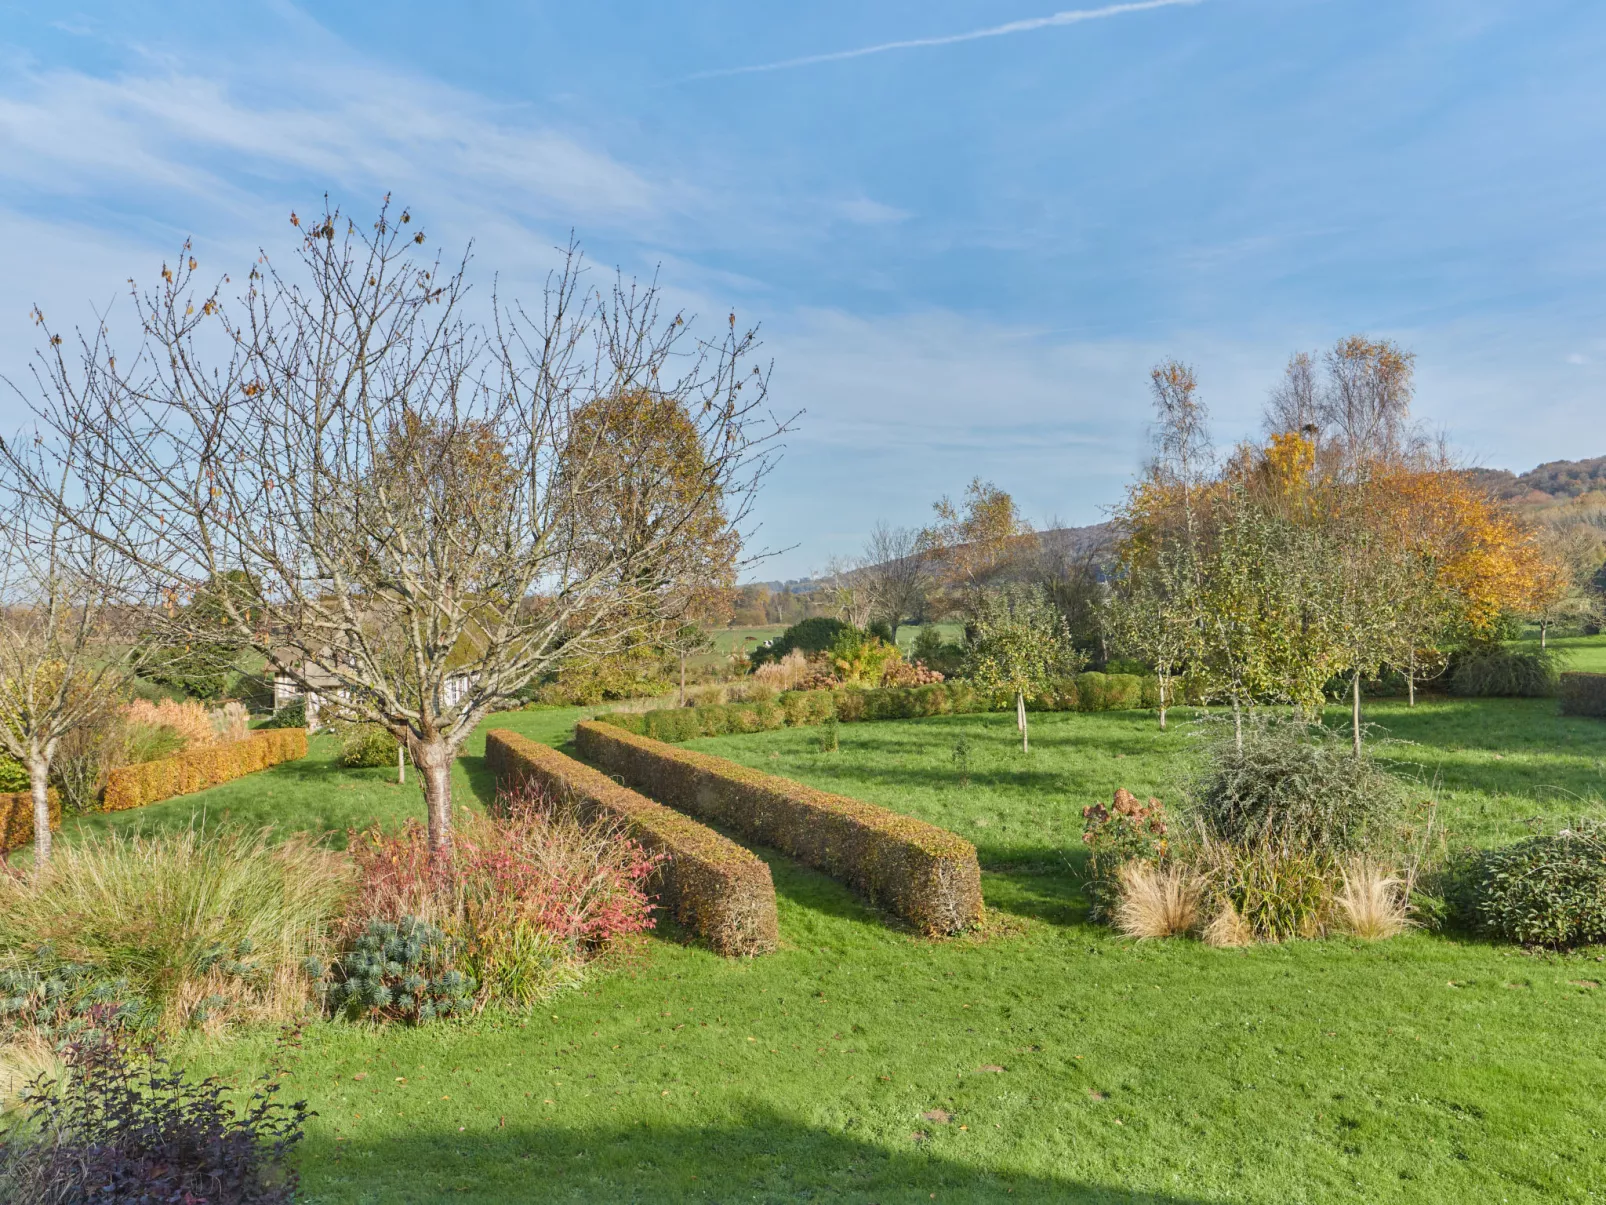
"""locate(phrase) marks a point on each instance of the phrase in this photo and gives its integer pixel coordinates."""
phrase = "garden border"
(710, 884)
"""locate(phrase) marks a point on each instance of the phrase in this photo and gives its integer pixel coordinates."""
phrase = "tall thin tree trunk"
(39, 786)
(682, 702)
(1163, 682)
(1543, 625)
(1410, 681)
(1237, 724)
(401, 764)
(1020, 720)
(1355, 710)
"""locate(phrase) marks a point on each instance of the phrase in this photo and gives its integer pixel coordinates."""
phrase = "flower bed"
(196, 769)
(923, 873)
(710, 884)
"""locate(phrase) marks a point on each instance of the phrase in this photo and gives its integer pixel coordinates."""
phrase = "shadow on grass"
(758, 1156)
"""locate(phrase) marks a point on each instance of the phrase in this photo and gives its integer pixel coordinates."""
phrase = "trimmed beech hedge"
(799, 708)
(709, 883)
(923, 873)
(196, 769)
(1583, 694)
(16, 819)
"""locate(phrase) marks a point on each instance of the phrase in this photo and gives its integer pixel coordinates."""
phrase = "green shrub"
(13, 776)
(1583, 694)
(1498, 672)
(1545, 891)
(811, 636)
(400, 972)
(367, 745)
(292, 715)
(1115, 835)
(1298, 788)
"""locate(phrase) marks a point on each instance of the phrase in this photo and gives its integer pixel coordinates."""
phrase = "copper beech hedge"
(196, 769)
(16, 819)
(709, 884)
(922, 873)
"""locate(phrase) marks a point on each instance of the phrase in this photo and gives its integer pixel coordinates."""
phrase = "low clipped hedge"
(196, 769)
(1583, 694)
(800, 708)
(922, 873)
(710, 884)
(16, 819)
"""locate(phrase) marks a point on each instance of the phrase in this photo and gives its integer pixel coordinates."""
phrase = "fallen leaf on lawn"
(1584, 983)
(989, 1067)
(1096, 1095)
(400, 1079)
(941, 1115)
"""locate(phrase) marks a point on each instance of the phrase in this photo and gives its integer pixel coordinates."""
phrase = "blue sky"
(965, 253)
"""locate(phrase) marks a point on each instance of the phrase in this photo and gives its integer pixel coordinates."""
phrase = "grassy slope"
(1421, 1069)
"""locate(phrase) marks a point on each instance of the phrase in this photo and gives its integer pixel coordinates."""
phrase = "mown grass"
(1070, 1065)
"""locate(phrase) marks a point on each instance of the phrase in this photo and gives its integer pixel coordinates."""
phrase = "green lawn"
(1576, 652)
(1044, 1061)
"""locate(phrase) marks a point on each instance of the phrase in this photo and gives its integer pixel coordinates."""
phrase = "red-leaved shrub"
(529, 895)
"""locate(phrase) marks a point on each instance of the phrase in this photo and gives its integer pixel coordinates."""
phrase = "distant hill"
(1557, 479)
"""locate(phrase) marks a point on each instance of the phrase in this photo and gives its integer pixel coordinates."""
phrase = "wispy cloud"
(1070, 17)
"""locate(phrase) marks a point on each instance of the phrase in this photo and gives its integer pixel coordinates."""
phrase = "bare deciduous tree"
(897, 574)
(67, 646)
(428, 506)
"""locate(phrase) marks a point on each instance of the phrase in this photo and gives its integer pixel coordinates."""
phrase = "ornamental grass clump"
(530, 895)
(199, 926)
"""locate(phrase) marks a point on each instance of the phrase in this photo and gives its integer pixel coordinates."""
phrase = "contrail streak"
(1072, 17)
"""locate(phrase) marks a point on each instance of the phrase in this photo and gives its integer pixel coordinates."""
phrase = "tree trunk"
(1543, 624)
(682, 702)
(1237, 724)
(1163, 681)
(1355, 710)
(1410, 681)
(434, 761)
(401, 764)
(1020, 719)
(39, 785)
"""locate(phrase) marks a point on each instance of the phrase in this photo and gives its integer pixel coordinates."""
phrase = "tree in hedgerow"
(1020, 644)
(430, 505)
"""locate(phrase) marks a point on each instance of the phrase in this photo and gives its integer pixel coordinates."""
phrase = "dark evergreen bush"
(1297, 787)
(811, 635)
(1499, 672)
(1545, 891)
(292, 715)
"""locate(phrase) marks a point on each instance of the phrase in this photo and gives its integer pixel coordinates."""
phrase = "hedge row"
(16, 819)
(196, 769)
(1583, 694)
(923, 873)
(1084, 692)
(709, 883)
